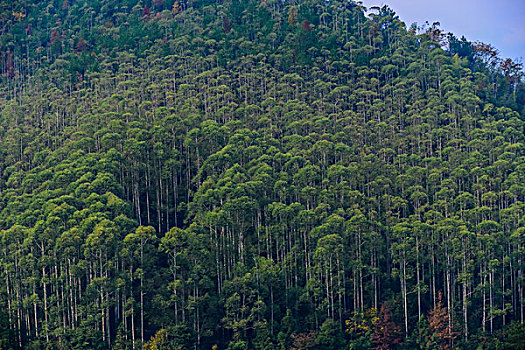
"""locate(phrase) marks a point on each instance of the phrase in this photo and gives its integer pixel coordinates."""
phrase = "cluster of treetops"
(261, 174)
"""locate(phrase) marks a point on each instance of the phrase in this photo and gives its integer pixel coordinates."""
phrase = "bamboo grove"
(256, 175)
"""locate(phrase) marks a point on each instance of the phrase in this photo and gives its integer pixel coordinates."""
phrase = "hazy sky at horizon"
(498, 22)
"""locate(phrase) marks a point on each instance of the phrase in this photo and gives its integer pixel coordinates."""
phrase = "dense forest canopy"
(261, 174)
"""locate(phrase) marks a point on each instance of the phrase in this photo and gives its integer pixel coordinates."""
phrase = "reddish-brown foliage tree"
(436, 34)
(303, 341)
(306, 26)
(158, 3)
(226, 25)
(10, 66)
(54, 37)
(386, 332)
(442, 332)
(146, 11)
(511, 69)
(81, 44)
(487, 52)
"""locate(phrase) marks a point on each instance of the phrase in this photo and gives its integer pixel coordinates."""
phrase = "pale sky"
(498, 22)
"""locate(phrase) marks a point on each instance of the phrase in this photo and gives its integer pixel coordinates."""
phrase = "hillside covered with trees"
(269, 174)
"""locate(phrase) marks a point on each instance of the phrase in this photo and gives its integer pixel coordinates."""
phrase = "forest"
(256, 174)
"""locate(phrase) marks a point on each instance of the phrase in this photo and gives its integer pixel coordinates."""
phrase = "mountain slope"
(255, 175)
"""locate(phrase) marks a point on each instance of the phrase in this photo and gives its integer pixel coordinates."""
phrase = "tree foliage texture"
(264, 174)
